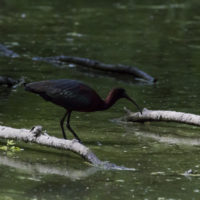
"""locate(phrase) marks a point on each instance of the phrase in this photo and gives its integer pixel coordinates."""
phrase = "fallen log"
(162, 115)
(94, 64)
(35, 135)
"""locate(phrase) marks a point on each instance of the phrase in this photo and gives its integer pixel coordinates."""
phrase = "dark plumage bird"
(74, 95)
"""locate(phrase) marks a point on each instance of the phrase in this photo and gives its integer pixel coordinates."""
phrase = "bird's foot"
(76, 140)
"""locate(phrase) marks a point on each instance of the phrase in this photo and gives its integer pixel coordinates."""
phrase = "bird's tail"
(35, 87)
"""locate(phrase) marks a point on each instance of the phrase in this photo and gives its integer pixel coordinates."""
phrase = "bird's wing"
(69, 94)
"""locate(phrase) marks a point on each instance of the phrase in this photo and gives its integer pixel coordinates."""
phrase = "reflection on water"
(35, 168)
(170, 139)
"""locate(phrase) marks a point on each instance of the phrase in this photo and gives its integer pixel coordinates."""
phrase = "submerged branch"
(4, 51)
(94, 64)
(162, 115)
(8, 81)
(35, 135)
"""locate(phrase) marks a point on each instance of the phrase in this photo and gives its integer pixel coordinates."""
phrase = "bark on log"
(35, 135)
(8, 81)
(162, 115)
(117, 68)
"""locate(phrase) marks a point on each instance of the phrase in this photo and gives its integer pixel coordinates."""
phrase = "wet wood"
(85, 62)
(35, 135)
(162, 115)
(94, 64)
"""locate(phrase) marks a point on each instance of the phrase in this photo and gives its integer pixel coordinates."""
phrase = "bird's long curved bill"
(134, 104)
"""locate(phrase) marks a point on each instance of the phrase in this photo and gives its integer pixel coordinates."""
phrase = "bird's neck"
(110, 100)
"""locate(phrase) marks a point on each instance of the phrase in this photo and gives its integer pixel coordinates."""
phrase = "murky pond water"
(161, 39)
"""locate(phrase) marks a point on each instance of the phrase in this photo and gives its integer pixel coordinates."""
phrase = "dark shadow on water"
(4, 92)
(109, 143)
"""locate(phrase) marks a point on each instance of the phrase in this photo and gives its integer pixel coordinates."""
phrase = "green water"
(161, 38)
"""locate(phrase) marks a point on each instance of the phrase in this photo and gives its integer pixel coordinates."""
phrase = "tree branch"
(94, 64)
(35, 135)
(162, 115)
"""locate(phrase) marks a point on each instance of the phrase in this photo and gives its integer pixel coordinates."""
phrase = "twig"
(162, 115)
(35, 135)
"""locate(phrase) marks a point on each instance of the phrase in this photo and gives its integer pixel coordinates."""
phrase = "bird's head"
(121, 93)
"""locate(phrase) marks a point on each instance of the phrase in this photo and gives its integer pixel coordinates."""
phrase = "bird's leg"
(69, 127)
(61, 124)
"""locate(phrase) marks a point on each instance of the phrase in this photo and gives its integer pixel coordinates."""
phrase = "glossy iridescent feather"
(70, 94)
